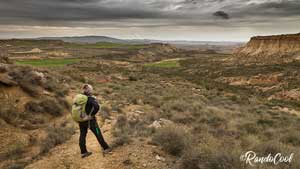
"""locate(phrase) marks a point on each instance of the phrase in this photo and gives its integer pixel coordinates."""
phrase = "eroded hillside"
(275, 48)
(33, 105)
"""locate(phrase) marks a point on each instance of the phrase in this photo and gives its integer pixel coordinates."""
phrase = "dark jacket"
(92, 106)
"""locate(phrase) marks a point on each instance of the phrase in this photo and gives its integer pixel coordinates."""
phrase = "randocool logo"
(251, 158)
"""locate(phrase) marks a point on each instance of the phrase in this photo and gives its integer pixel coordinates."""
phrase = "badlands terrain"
(163, 107)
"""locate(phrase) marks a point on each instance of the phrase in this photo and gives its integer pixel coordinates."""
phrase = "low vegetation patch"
(47, 62)
(57, 135)
(121, 131)
(173, 139)
(47, 105)
(164, 64)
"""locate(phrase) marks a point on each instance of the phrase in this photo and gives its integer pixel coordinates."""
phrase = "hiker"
(84, 110)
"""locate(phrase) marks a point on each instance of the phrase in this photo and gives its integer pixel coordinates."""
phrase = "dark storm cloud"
(172, 12)
(271, 9)
(67, 10)
(221, 14)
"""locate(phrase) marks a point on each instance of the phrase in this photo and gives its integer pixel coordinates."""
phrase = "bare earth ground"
(67, 155)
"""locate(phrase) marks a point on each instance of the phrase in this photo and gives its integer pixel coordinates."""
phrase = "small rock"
(160, 158)
(139, 112)
(127, 162)
(160, 123)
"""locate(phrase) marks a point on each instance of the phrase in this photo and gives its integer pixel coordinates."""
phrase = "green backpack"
(78, 108)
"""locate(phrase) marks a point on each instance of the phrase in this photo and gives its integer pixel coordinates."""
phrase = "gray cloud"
(46, 11)
(248, 14)
(221, 14)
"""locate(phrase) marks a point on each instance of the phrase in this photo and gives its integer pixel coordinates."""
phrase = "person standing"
(91, 109)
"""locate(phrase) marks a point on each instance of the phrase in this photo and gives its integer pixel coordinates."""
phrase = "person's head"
(87, 89)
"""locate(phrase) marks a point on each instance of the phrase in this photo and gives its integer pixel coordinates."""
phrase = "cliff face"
(273, 47)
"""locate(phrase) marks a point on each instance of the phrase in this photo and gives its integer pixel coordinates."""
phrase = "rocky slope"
(155, 52)
(271, 48)
(33, 105)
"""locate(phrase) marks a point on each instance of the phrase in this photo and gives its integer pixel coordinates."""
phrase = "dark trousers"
(95, 129)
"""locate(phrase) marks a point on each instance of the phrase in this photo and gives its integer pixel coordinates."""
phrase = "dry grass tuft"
(172, 139)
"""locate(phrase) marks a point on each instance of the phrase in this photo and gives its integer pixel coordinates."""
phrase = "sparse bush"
(47, 105)
(9, 114)
(14, 151)
(271, 147)
(183, 118)
(178, 105)
(249, 128)
(192, 159)
(120, 140)
(17, 165)
(56, 136)
(227, 159)
(33, 106)
(33, 81)
(172, 139)
(30, 89)
(121, 131)
(105, 112)
(154, 100)
(214, 121)
(64, 102)
(53, 85)
(52, 107)
(292, 137)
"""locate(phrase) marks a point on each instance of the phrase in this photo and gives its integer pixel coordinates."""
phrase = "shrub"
(249, 128)
(120, 140)
(64, 103)
(176, 105)
(52, 107)
(153, 100)
(271, 147)
(15, 150)
(26, 79)
(56, 136)
(184, 118)
(192, 159)
(225, 159)
(52, 85)
(105, 112)
(172, 139)
(121, 131)
(47, 105)
(292, 138)
(9, 114)
(29, 88)
(34, 107)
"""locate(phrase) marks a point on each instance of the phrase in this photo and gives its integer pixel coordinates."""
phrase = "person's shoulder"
(92, 98)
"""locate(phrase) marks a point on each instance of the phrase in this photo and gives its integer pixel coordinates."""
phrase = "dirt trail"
(138, 154)
(67, 155)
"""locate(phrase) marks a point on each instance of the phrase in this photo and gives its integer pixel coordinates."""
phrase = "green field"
(47, 62)
(164, 64)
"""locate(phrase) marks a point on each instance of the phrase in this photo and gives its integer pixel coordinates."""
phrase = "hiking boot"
(107, 151)
(86, 154)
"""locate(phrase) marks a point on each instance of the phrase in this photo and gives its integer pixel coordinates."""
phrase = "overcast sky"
(214, 20)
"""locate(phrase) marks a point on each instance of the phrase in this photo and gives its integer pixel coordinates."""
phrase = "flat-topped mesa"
(272, 47)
